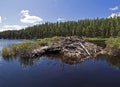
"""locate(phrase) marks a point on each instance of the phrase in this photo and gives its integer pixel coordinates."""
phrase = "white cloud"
(0, 19)
(27, 18)
(11, 27)
(113, 15)
(114, 8)
(60, 19)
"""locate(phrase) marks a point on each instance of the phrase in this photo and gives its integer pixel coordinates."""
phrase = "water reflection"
(114, 61)
(29, 62)
(24, 62)
(66, 60)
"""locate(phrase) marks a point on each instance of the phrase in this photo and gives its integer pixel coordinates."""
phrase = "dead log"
(85, 49)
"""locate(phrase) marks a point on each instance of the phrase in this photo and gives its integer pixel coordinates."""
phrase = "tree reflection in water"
(28, 62)
(66, 60)
(24, 62)
(113, 61)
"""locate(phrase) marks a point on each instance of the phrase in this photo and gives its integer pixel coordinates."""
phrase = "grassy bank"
(113, 43)
(110, 42)
(98, 41)
(95, 39)
(48, 41)
(26, 47)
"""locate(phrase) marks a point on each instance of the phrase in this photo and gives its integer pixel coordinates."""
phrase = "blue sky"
(16, 14)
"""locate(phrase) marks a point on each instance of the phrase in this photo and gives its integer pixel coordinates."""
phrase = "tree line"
(103, 27)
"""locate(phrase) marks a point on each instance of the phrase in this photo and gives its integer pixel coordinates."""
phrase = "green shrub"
(113, 42)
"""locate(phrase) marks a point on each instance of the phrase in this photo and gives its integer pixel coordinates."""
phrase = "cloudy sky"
(17, 14)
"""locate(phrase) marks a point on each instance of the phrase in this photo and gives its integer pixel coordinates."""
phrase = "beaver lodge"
(72, 47)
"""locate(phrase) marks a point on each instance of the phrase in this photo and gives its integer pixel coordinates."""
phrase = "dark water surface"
(53, 71)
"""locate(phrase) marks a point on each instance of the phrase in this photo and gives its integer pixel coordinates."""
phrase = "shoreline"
(71, 46)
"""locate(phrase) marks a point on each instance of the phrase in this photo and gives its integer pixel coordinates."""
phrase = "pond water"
(56, 71)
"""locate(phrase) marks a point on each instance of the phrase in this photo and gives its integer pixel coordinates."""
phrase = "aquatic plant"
(7, 52)
(26, 47)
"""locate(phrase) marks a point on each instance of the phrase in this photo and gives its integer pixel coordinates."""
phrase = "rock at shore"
(72, 46)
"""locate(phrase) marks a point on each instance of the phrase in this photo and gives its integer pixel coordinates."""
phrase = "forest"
(99, 27)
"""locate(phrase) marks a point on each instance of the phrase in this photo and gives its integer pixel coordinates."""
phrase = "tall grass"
(26, 47)
(95, 39)
(7, 52)
(113, 42)
(48, 41)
